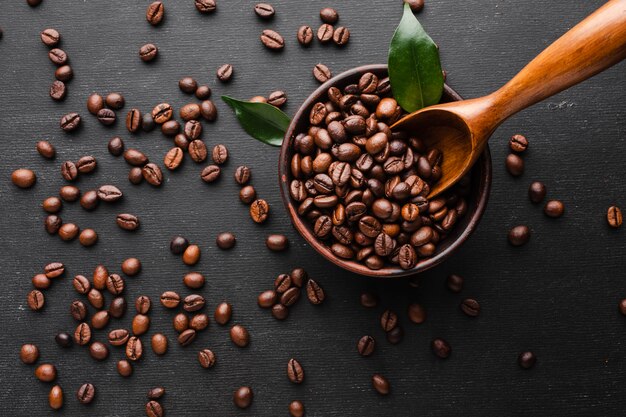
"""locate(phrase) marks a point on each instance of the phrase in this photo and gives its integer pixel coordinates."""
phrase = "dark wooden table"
(557, 296)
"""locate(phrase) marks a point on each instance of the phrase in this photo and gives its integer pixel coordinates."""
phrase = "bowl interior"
(477, 200)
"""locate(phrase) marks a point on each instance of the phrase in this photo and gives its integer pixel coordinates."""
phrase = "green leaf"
(414, 67)
(262, 121)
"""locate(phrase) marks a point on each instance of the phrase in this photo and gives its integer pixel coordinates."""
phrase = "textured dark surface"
(556, 296)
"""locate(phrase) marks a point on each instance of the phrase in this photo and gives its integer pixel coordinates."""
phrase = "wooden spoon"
(461, 129)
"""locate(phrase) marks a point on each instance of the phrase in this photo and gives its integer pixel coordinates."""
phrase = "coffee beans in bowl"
(359, 191)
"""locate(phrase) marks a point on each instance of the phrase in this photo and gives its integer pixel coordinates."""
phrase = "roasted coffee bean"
(100, 275)
(143, 304)
(95, 103)
(454, 283)
(417, 313)
(50, 37)
(554, 208)
(388, 320)
(519, 235)
(82, 334)
(280, 312)
(295, 372)
(58, 56)
(197, 150)
(115, 101)
(282, 283)
(63, 339)
(86, 164)
(614, 217)
(156, 393)
(264, 10)
(329, 15)
(208, 110)
(173, 158)
(148, 52)
(118, 337)
(369, 300)
(267, 299)
(58, 91)
(162, 112)
(193, 302)
(190, 111)
(187, 337)
(64, 73)
(193, 129)
(247, 194)
(133, 120)
(325, 33)
(134, 348)
(415, 5)
(518, 143)
(298, 277)
(154, 13)
(45, 372)
(314, 292)
(220, 154)
(243, 397)
(35, 300)
(199, 322)
(116, 146)
(272, 40)
(178, 244)
(290, 297)
(206, 357)
(52, 205)
(225, 240)
(210, 173)
(515, 165)
(380, 384)
(395, 336)
(86, 393)
(193, 280)
(95, 297)
(68, 231)
(206, 6)
(187, 85)
(41, 282)
(159, 344)
(277, 243)
(259, 211)
(69, 171)
(54, 269)
(69, 193)
(526, 360)
(366, 345)
(470, 307)
(242, 175)
(23, 178)
(46, 149)
(296, 409)
(322, 73)
(81, 284)
(170, 299)
(55, 397)
(191, 256)
(109, 193)
(277, 98)
(153, 408)
(124, 368)
(441, 348)
(98, 351)
(537, 192)
(225, 73)
(152, 174)
(78, 310)
(117, 307)
(239, 335)
(127, 221)
(170, 128)
(341, 36)
(33, 3)
(223, 313)
(305, 35)
(89, 200)
(115, 284)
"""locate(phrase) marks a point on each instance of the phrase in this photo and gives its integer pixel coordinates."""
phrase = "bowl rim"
(351, 265)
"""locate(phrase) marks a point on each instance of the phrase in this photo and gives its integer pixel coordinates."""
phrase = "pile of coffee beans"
(364, 188)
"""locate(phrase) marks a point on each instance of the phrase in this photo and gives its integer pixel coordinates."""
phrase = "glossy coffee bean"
(159, 344)
(537, 192)
(225, 73)
(526, 360)
(194, 280)
(243, 397)
(86, 393)
(239, 336)
(441, 348)
(223, 313)
(417, 313)
(206, 357)
(470, 307)
(519, 235)
(554, 208)
(55, 397)
(225, 240)
(380, 384)
(514, 164)
(366, 345)
(614, 217)
(46, 372)
(191, 255)
(46, 149)
(148, 52)
(23, 178)
(124, 368)
(518, 143)
(277, 243)
(178, 244)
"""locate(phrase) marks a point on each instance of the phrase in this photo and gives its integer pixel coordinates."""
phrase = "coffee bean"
(247, 194)
(272, 40)
(325, 33)
(622, 307)
(277, 243)
(45, 372)
(206, 6)
(156, 393)
(52, 205)
(153, 408)
(194, 280)
(470, 307)
(115, 284)
(170, 299)
(526, 360)
(329, 15)
(296, 409)
(35, 300)
(29, 353)
(41, 282)
(416, 5)
(124, 368)
(223, 313)
(366, 345)
(380, 384)
(33, 3)
(78, 310)
(314, 292)
(243, 397)
(369, 300)
(159, 344)
(220, 154)
(95, 297)
(225, 240)
(81, 284)
(388, 320)
(305, 35)
(70, 122)
(203, 92)
(86, 393)
(100, 275)
(322, 73)
(341, 36)
(199, 322)
(206, 357)
(69, 171)
(441, 348)
(188, 85)
(148, 52)
(95, 103)
(115, 101)
(134, 348)
(277, 98)
(239, 335)
(267, 299)
(116, 146)
(170, 128)
(208, 110)
(118, 337)
(515, 165)
(152, 174)
(58, 56)
(187, 337)
(198, 151)
(614, 217)
(127, 221)
(23, 178)
(46, 149)
(173, 158)
(55, 397)
(89, 200)
(554, 208)
(58, 90)
(64, 73)
(50, 37)
(537, 192)
(68, 232)
(295, 372)
(280, 312)
(518, 143)
(264, 10)
(131, 266)
(242, 175)
(299, 277)
(154, 13)
(63, 339)
(259, 211)
(282, 283)
(109, 193)
(98, 351)
(133, 120)
(290, 297)
(225, 73)
(519, 235)
(417, 313)
(178, 244)
(143, 304)
(117, 307)
(82, 334)
(86, 164)
(191, 256)
(395, 335)
(193, 302)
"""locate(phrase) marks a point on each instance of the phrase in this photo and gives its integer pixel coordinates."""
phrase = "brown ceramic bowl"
(477, 200)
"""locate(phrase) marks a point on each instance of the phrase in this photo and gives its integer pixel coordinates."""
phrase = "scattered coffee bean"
(178, 244)
(296, 409)
(329, 15)
(519, 235)
(290, 297)
(35, 300)
(220, 154)
(89, 200)
(388, 320)
(242, 175)
(369, 300)
(267, 299)
(614, 217)
(197, 151)
(225, 73)
(70, 122)
(305, 35)
(170, 299)
(191, 256)
(277, 243)
(33, 3)
(203, 92)
(54, 269)
(206, 6)
(95, 297)
(282, 283)
(115, 101)
(117, 307)
(554, 208)
(153, 408)
(140, 324)
(134, 348)
(395, 335)
(341, 36)
(247, 194)
(109, 193)
(366, 345)
(95, 103)
(264, 10)
(537, 192)
(131, 266)
(58, 90)
(52, 205)
(243, 397)
(194, 280)
(50, 37)
(23, 178)
(86, 393)
(124, 368)
(199, 322)
(78, 310)
(322, 73)
(325, 33)
(295, 372)
(225, 240)
(58, 56)
(526, 360)
(170, 128)
(98, 351)
(46, 372)
(454, 283)
(116, 146)
(380, 384)
(69, 171)
(63, 339)
(259, 211)
(155, 12)
(272, 40)
(118, 337)
(148, 52)
(46, 149)
(210, 173)
(223, 313)
(314, 292)
(156, 393)
(208, 110)
(441, 348)
(133, 120)
(277, 98)
(127, 221)
(187, 337)
(55, 397)
(470, 307)
(41, 282)
(515, 165)
(82, 334)
(188, 85)
(193, 302)
(239, 335)
(147, 123)
(64, 73)
(143, 304)
(152, 174)
(518, 143)
(159, 344)
(280, 312)
(417, 313)
(206, 357)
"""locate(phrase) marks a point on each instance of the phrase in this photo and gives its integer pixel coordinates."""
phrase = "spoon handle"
(592, 46)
